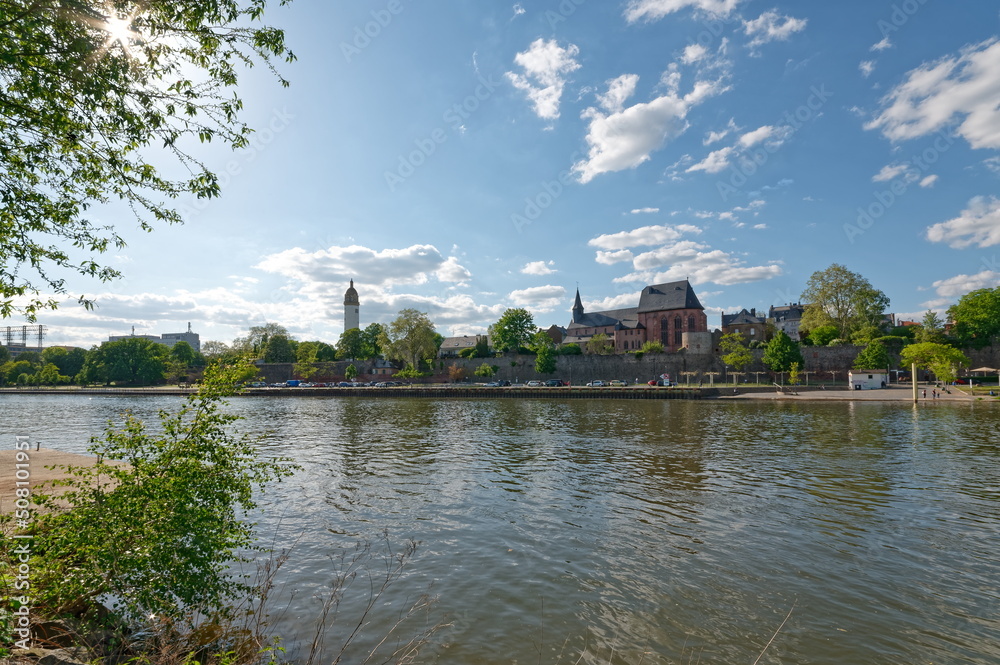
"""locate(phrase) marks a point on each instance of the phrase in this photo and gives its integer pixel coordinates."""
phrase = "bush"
(571, 349)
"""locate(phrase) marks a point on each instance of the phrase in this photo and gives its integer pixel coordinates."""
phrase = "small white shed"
(867, 379)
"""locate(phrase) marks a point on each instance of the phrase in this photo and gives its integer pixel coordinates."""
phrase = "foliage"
(839, 297)
(4, 354)
(600, 344)
(370, 346)
(941, 359)
(652, 346)
(351, 344)
(457, 373)
(213, 349)
(931, 329)
(410, 372)
(571, 349)
(873, 356)
(279, 349)
(823, 335)
(737, 355)
(409, 338)
(84, 111)
(781, 353)
(794, 372)
(486, 370)
(351, 372)
(16, 368)
(977, 317)
(255, 342)
(183, 353)
(545, 352)
(513, 330)
(132, 361)
(175, 506)
(866, 334)
(469, 352)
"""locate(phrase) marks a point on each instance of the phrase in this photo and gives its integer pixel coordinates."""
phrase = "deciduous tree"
(977, 317)
(781, 352)
(94, 96)
(736, 353)
(941, 359)
(873, 356)
(513, 330)
(409, 338)
(839, 297)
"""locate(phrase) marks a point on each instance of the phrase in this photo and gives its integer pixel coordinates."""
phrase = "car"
(970, 382)
(344, 384)
(596, 384)
(555, 383)
(493, 384)
(534, 384)
(618, 383)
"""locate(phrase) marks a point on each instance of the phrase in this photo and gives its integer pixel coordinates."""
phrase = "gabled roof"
(672, 295)
(628, 316)
(742, 317)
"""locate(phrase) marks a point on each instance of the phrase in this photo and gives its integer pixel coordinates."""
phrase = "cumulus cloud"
(653, 10)
(538, 268)
(539, 298)
(416, 264)
(891, 172)
(619, 90)
(693, 53)
(979, 225)
(940, 93)
(625, 138)
(644, 211)
(882, 45)
(867, 67)
(959, 285)
(715, 137)
(646, 235)
(545, 66)
(771, 26)
(611, 258)
(929, 181)
(687, 259)
(716, 161)
(719, 160)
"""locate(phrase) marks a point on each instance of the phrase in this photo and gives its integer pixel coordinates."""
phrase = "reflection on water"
(620, 532)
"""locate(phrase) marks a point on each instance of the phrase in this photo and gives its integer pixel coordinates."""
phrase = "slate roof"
(740, 318)
(672, 295)
(629, 317)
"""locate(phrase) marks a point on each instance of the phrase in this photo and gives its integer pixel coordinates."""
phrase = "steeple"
(577, 307)
(352, 306)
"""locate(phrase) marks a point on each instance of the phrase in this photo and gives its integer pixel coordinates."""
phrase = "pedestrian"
(925, 393)
(934, 394)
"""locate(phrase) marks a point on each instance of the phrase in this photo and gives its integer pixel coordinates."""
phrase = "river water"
(627, 532)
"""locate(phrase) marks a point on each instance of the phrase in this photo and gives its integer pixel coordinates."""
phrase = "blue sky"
(466, 157)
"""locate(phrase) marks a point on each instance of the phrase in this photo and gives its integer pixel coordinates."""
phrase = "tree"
(183, 353)
(931, 329)
(351, 372)
(409, 338)
(873, 356)
(600, 345)
(17, 368)
(132, 361)
(737, 355)
(91, 91)
(823, 335)
(839, 297)
(513, 330)
(351, 344)
(781, 353)
(214, 349)
(177, 504)
(977, 317)
(457, 373)
(573, 349)
(652, 346)
(4, 354)
(486, 370)
(370, 347)
(279, 349)
(941, 359)
(255, 343)
(545, 352)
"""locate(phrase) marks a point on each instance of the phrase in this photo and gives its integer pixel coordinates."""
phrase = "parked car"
(534, 384)
(970, 382)
(619, 383)
(555, 383)
(596, 384)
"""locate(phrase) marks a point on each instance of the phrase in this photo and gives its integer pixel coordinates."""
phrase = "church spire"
(577, 307)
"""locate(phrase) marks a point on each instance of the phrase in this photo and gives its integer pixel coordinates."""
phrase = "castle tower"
(352, 307)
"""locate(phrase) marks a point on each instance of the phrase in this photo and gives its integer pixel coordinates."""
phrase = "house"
(668, 313)
(867, 379)
(748, 324)
(452, 346)
(787, 318)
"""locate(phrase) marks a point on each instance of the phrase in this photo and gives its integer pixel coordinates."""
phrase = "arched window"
(663, 332)
(678, 331)
(691, 323)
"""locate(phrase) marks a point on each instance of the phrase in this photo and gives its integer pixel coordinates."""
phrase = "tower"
(577, 307)
(352, 316)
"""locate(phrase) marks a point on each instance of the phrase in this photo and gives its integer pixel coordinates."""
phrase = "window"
(690, 323)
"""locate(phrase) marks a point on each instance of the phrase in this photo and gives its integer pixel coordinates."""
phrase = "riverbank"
(37, 467)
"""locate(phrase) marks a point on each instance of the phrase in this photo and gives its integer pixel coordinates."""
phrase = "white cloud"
(698, 262)
(939, 93)
(416, 264)
(611, 258)
(992, 163)
(882, 45)
(891, 172)
(758, 135)
(620, 301)
(538, 268)
(867, 67)
(625, 139)
(693, 53)
(760, 226)
(959, 285)
(715, 137)
(619, 90)
(929, 181)
(518, 9)
(545, 65)
(644, 211)
(643, 236)
(770, 26)
(716, 161)
(652, 10)
(539, 298)
(979, 225)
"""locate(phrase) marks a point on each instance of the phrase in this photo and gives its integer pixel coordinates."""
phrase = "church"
(667, 313)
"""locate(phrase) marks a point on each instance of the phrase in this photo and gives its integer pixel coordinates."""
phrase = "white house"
(867, 379)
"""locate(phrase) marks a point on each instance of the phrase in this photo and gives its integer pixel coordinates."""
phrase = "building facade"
(352, 308)
(748, 324)
(167, 339)
(666, 313)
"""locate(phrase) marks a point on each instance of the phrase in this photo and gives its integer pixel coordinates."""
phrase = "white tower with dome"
(352, 307)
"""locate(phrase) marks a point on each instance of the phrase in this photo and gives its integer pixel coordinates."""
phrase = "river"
(624, 532)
